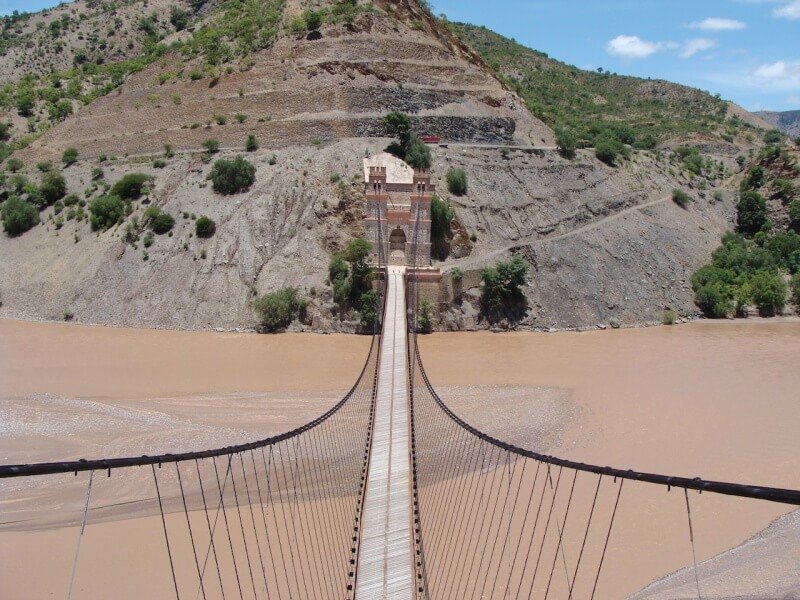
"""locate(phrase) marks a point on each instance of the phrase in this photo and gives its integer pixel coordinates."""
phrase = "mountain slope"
(787, 121)
(314, 100)
(650, 111)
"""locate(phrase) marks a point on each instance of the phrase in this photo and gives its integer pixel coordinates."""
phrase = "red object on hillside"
(430, 139)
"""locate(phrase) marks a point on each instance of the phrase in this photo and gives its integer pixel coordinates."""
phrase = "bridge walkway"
(385, 568)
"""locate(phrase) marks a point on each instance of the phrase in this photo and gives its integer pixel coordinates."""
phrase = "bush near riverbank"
(753, 265)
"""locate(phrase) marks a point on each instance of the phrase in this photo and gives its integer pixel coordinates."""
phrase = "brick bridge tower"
(399, 198)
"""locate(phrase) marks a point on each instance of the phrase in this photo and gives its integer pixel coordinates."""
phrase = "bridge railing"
(495, 520)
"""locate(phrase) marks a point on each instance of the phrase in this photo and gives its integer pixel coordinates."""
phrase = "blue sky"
(747, 50)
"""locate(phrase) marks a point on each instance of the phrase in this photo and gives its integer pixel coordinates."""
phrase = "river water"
(717, 400)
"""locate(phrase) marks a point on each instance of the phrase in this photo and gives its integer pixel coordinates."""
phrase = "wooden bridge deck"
(385, 568)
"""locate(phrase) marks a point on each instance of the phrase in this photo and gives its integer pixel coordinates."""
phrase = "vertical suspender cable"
(166, 537)
(80, 535)
(691, 539)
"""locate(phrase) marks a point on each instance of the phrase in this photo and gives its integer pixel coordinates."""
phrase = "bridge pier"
(385, 568)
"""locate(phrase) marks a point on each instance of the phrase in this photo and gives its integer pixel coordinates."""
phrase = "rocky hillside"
(647, 111)
(787, 121)
(606, 243)
(334, 82)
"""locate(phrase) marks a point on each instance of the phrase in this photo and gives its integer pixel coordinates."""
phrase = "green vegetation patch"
(278, 309)
(105, 212)
(18, 216)
(232, 176)
(598, 104)
(131, 186)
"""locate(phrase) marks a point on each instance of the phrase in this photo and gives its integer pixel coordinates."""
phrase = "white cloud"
(793, 100)
(788, 11)
(781, 75)
(632, 46)
(718, 24)
(777, 70)
(692, 47)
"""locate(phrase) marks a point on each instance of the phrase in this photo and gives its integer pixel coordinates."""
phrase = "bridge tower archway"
(397, 246)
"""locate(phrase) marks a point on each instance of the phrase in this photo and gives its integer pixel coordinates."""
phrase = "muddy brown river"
(717, 400)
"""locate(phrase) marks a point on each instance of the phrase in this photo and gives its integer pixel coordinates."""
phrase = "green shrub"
(768, 292)
(350, 274)
(58, 111)
(54, 187)
(795, 285)
(369, 310)
(211, 146)
(681, 198)
(160, 222)
(45, 166)
(337, 268)
(204, 227)
(418, 155)
(457, 274)
(159, 163)
(298, 25)
(751, 212)
(361, 273)
(106, 211)
(441, 216)
(773, 136)
(755, 178)
(70, 157)
(25, 101)
(668, 317)
(715, 299)
(278, 309)
(220, 119)
(131, 186)
(398, 124)
(784, 249)
(567, 141)
(607, 151)
(18, 216)
(251, 145)
(424, 316)
(313, 19)
(179, 18)
(784, 188)
(232, 176)
(502, 284)
(457, 181)
(14, 164)
(794, 214)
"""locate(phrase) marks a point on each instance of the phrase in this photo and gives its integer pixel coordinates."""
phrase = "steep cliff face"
(606, 244)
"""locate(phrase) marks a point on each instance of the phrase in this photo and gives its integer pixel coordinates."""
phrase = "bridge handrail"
(785, 496)
(50, 468)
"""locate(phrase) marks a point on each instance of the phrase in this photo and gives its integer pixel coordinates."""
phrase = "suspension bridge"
(388, 494)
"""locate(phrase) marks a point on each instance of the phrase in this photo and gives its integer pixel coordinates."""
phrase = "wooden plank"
(385, 567)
